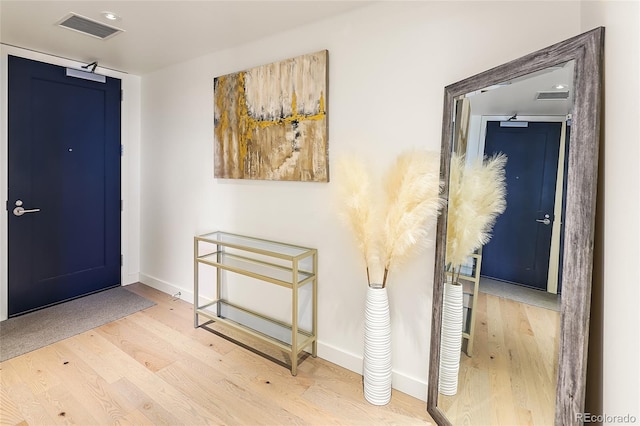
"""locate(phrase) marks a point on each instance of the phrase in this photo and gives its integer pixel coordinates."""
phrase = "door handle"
(19, 211)
(546, 220)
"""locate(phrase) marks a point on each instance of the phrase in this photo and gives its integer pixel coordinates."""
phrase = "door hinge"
(121, 150)
(121, 95)
(121, 205)
(121, 260)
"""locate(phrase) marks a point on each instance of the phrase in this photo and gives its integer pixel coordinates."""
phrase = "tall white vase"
(377, 347)
(450, 339)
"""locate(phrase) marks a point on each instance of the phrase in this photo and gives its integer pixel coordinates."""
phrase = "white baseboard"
(400, 381)
(410, 385)
(340, 357)
(165, 287)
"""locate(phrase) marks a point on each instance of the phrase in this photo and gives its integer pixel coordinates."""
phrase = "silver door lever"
(546, 221)
(19, 211)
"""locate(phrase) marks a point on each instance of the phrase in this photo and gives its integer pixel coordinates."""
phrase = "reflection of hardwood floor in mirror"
(511, 378)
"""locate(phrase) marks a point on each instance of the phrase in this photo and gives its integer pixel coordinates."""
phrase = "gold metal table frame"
(269, 261)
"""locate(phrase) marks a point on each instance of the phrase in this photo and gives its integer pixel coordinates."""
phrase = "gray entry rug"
(522, 294)
(37, 329)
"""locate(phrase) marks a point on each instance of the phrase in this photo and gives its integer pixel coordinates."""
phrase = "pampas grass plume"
(477, 195)
(412, 203)
(357, 202)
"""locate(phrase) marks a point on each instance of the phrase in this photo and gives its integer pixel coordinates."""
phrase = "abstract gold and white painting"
(270, 122)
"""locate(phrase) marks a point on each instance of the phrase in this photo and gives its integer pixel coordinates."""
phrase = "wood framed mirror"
(487, 379)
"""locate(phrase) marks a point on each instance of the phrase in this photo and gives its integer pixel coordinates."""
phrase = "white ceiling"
(519, 95)
(161, 33)
(157, 33)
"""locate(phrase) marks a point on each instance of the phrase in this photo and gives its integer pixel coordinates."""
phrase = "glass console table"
(470, 280)
(470, 297)
(273, 262)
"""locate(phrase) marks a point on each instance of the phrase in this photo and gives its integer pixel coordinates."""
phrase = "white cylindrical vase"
(450, 338)
(377, 347)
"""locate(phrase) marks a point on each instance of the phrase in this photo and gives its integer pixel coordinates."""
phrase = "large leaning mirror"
(526, 292)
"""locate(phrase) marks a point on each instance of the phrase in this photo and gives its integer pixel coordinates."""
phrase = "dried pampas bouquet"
(389, 233)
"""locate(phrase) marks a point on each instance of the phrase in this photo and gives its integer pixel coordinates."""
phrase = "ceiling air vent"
(88, 26)
(552, 96)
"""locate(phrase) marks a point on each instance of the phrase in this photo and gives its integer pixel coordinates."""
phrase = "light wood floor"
(153, 367)
(511, 377)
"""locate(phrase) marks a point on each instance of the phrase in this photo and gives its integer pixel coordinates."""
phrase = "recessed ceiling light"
(110, 16)
(560, 86)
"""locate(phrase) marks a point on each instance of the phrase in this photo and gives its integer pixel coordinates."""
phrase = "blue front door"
(519, 249)
(64, 185)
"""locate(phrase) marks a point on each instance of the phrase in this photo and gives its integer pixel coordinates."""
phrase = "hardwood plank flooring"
(154, 368)
(511, 377)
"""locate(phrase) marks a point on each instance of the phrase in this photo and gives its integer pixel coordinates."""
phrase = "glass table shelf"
(256, 245)
(255, 324)
(265, 271)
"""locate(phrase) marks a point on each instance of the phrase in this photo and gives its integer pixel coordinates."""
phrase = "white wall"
(388, 65)
(616, 313)
(130, 166)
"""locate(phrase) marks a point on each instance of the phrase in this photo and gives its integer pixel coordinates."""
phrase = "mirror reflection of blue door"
(64, 185)
(520, 246)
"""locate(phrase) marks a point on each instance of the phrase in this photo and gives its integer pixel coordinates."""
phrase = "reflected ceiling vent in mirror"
(552, 96)
(87, 26)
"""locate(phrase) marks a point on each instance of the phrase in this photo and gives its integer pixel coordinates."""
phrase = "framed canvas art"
(270, 122)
